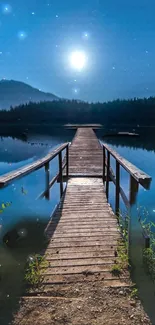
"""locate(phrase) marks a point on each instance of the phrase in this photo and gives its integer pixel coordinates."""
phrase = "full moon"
(78, 60)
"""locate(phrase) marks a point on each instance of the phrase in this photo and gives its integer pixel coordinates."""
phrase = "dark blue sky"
(117, 36)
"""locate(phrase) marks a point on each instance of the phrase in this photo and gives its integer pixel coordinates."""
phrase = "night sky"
(116, 37)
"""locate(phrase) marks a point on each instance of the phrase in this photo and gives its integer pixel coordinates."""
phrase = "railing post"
(47, 181)
(60, 174)
(108, 174)
(117, 188)
(67, 161)
(104, 162)
(133, 190)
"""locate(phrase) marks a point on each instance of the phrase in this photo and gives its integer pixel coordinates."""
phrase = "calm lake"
(29, 216)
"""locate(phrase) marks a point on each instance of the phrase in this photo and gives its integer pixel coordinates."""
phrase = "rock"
(133, 303)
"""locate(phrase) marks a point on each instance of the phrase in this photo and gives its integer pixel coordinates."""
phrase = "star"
(113, 68)
(22, 35)
(6, 9)
(76, 91)
(33, 13)
(57, 16)
(85, 35)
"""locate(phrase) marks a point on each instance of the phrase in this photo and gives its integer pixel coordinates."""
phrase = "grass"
(149, 261)
(116, 270)
(34, 270)
(122, 262)
(134, 293)
(148, 228)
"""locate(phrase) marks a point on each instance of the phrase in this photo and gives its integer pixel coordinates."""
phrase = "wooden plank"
(81, 160)
(75, 278)
(83, 233)
(76, 126)
(136, 173)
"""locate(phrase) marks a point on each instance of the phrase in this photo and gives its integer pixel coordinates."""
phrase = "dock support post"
(104, 163)
(60, 174)
(133, 190)
(47, 181)
(67, 161)
(117, 196)
(132, 199)
(108, 174)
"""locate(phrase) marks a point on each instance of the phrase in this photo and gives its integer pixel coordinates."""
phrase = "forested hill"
(129, 112)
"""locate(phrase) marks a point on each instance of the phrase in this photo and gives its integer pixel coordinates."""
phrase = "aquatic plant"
(121, 253)
(3, 206)
(148, 228)
(34, 270)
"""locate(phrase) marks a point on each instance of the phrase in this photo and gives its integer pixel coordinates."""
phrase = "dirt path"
(82, 304)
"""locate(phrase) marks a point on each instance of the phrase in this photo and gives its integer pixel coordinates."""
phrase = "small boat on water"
(121, 134)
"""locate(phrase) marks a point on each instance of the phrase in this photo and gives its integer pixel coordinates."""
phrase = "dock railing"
(137, 177)
(44, 162)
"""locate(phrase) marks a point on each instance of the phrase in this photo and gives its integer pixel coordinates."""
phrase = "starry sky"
(117, 37)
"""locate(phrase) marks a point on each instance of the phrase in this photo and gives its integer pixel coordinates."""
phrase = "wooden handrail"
(51, 183)
(18, 173)
(141, 177)
(137, 177)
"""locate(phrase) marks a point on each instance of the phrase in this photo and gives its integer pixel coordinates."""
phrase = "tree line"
(118, 112)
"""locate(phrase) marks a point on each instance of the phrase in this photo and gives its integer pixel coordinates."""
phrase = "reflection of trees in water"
(135, 143)
(145, 141)
(15, 148)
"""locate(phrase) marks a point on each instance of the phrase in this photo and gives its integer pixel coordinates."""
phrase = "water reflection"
(30, 216)
(26, 215)
(145, 141)
(142, 154)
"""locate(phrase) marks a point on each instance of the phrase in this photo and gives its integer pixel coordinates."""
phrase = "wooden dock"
(83, 232)
(85, 154)
(84, 238)
(78, 284)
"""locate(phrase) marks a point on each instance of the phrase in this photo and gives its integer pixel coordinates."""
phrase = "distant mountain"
(14, 93)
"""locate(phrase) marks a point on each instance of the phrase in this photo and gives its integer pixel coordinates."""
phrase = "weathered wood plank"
(81, 160)
(83, 233)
